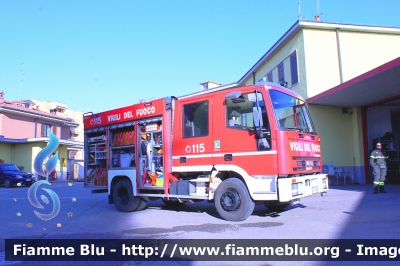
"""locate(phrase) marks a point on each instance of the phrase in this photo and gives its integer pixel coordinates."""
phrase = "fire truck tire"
(123, 197)
(277, 207)
(142, 203)
(232, 200)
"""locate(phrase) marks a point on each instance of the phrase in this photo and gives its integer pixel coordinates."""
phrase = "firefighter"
(378, 162)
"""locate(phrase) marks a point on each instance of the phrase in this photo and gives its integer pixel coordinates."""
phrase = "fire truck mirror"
(235, 97)
(255, 97)
(257, 117)
(258, 122)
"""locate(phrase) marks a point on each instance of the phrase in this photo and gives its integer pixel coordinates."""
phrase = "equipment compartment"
(122, 139)
(150, 159)
(96, 155)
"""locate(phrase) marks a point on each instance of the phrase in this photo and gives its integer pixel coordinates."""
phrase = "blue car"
(10, 175)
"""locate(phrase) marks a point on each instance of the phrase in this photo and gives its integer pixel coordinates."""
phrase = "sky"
(97, 55)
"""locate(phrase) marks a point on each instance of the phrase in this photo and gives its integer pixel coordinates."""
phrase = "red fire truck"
(236, 147)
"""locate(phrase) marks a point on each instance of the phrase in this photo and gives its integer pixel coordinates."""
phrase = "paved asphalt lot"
(348, 212)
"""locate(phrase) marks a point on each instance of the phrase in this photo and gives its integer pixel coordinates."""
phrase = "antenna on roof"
(22, 79)
(298, 3)
(318, 15)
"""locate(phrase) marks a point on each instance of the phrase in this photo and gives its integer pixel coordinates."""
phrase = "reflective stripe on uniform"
(379, 157)
(381, 183)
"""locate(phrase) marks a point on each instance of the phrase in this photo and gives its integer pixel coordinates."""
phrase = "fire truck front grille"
(306, 163)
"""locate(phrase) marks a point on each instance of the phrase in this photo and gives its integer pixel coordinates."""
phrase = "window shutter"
(42, 131)
(293, 69)
(281, 73)
(269, 77)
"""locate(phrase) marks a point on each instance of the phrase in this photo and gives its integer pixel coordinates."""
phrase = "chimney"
(208, 85)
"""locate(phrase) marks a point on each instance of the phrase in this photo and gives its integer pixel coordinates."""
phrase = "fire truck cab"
(236, 147)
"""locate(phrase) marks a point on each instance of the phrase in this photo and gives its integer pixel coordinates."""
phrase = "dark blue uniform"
(378, 162)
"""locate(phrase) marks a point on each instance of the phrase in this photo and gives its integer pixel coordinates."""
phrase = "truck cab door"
(247, 140)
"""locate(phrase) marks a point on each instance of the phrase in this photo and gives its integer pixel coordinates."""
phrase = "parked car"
(10, 175)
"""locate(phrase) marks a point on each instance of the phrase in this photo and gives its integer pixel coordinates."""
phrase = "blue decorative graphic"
(43, 154)
(50, 165)
(34, 201)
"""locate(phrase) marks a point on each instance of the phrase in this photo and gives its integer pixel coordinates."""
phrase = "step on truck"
(236, 147)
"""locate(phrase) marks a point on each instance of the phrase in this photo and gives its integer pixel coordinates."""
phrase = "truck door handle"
(228, 157)
(182, 159)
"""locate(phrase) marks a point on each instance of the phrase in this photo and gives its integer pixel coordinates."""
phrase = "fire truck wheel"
(232, 200)
(142, 203)
(123, 197)
(277, 207)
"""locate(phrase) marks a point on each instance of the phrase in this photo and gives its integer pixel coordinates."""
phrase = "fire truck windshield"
(291, 113)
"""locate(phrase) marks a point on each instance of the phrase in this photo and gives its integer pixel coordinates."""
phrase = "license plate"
(28, 179)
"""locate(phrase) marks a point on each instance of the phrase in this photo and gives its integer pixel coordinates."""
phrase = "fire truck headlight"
(301, 163)
(325, 183)
(296, 189)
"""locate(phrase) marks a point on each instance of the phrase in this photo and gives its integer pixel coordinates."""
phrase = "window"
(240, 113)
(195, 119)
(9, 167)
(269, 77)
(55, 130)
(44, 130)
(281, 73)
(293, 69)
(291, 113)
